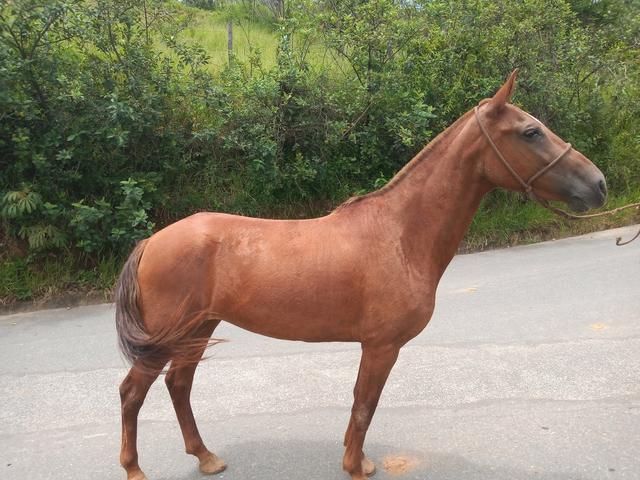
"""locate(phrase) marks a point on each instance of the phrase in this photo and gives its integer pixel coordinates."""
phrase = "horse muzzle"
(591, 195)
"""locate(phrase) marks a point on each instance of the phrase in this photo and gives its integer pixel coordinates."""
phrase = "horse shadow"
(315, 460)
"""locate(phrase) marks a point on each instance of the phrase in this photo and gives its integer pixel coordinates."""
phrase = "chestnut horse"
(367, 272)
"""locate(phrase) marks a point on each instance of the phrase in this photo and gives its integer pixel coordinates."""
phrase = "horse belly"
(295, 328)
(297, 315)
(291, 299)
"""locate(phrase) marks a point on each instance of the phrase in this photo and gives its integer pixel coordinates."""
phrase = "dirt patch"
(400, 464)
(598, 326)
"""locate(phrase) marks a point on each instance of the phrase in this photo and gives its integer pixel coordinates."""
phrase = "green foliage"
(19, 203)
(14, 280)
(118, 115)
(102, 225)
(94, 124)
(204, 4)
(30, 278)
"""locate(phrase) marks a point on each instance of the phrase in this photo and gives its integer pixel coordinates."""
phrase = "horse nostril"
(602, 186)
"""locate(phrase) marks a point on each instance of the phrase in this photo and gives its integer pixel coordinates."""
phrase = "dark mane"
(409, 166)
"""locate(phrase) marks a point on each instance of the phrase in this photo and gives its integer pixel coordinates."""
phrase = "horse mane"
(408, 167)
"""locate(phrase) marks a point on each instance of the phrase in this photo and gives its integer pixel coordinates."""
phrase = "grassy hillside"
(255, 36)
(251, 35)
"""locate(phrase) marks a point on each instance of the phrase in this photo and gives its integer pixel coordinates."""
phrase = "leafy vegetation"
(120, 116)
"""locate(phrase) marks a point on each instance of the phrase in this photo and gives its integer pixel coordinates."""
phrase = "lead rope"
(528, 188)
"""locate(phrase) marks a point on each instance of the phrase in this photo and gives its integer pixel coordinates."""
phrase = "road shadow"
(309, 460)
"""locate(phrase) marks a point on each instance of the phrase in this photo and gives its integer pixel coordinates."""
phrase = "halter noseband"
(528, 185)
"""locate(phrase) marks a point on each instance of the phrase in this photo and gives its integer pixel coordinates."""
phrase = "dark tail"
(132, 336)
(178, 340)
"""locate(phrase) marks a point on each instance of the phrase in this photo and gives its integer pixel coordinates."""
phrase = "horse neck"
(435, 199)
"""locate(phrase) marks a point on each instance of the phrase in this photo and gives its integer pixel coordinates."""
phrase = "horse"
(367, 272)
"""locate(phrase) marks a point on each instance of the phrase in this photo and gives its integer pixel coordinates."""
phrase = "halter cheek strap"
(528, 185)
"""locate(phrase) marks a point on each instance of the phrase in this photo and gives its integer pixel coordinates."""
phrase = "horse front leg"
(375, 365)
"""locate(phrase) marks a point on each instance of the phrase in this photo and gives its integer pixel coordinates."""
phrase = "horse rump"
(176, 340)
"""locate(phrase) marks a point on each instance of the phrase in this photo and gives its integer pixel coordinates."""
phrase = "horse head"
(525, 155)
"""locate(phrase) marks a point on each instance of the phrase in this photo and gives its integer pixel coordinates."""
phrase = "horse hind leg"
(133, 391)
(179, 380)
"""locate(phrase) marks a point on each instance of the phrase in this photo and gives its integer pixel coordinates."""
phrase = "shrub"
(112, 122)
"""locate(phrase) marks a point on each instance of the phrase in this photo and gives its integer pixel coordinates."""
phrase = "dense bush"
(94, 123)
(110, 121)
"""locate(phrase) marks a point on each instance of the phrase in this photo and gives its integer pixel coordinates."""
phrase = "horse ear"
(503, 96)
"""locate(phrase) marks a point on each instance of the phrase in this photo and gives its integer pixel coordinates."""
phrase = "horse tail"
(133, 339)
(178, 340)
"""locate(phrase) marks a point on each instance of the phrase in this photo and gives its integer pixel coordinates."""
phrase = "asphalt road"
(529, 369)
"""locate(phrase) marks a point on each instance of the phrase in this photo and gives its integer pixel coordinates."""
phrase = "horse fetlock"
(350, 466)
(353, 466)
(129, 462)
(197, 448)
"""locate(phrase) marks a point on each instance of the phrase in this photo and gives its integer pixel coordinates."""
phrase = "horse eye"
(533, 133)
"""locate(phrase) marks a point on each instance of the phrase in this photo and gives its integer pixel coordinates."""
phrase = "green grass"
(254, 34)
(30, 278)
(210, 31)
(512, 221)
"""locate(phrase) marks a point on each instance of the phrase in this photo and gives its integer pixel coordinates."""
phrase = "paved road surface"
(529, 369)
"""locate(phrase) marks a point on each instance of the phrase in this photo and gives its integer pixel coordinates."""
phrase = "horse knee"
(130, 399)
(179, 385)
(170, 380)
(361, 417)
(175, 382)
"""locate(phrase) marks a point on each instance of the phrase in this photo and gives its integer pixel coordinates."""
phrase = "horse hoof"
(368, 467)
(137, 476)
(212, 465)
